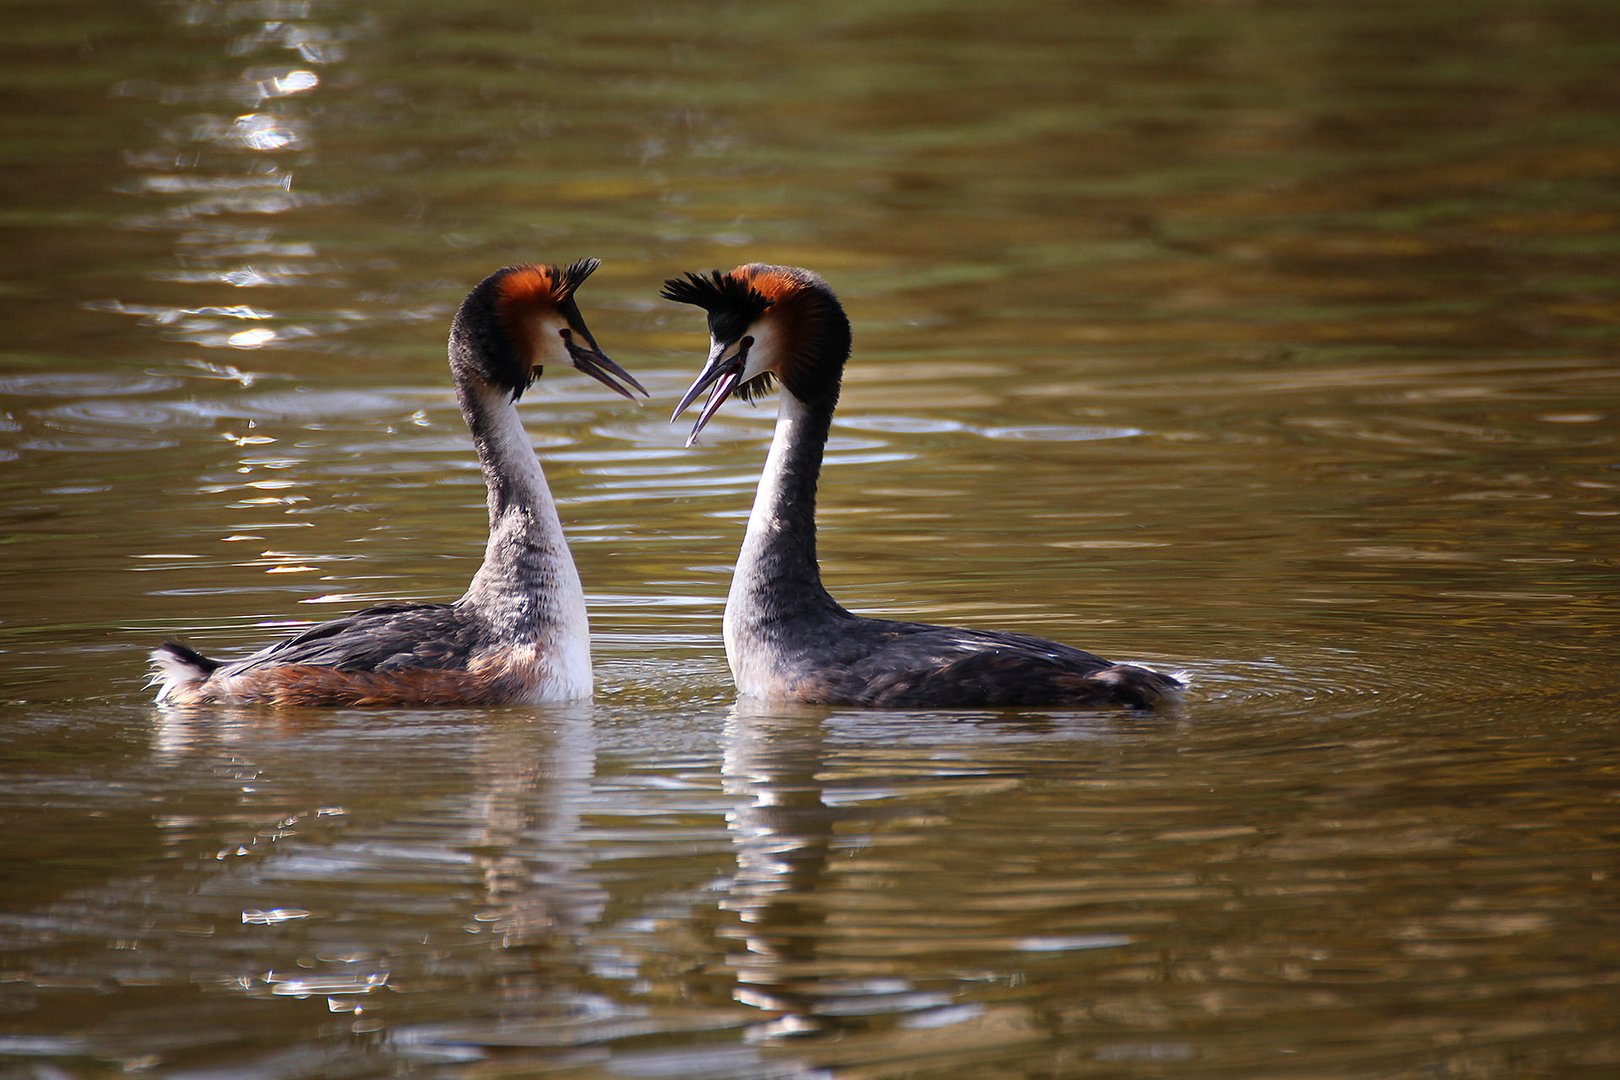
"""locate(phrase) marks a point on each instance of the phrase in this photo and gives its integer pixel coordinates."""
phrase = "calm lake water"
(1273, 344)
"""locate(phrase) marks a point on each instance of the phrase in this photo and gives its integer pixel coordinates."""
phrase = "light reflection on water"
(1269, 346)
(506, 892)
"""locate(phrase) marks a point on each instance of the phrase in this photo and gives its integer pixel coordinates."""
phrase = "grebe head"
(765, 323)
(519, 319)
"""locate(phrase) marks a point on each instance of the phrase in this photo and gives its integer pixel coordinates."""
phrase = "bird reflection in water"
(783, 831)
(479, 812)
(784, 826)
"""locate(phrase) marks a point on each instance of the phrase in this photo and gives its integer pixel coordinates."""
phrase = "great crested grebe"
(786, 638)
(519, 633)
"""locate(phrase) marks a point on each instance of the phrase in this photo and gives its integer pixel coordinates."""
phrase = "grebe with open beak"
(786, 638)
(519, 634)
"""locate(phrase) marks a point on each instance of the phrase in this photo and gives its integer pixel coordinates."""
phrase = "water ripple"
(83, 384)
(94, 445)
(1059, 433)
(1305, 678)
(287, 405)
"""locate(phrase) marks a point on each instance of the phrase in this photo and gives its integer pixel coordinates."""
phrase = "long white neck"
(527, 590)
(776, 590)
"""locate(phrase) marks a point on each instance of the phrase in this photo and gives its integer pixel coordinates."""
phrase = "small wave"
(1059, 433)
(115, 413)
(92, 444)
(1302, 679)
(83, 384)
(902, 425)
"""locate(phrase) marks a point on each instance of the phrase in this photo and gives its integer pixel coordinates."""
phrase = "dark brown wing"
(391, 637)
(917, 665)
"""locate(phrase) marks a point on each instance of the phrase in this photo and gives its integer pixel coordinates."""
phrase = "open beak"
(595, 363)
(722, 373)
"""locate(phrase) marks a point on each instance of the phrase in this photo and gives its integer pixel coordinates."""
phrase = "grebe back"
(519, 633)
(786, 638)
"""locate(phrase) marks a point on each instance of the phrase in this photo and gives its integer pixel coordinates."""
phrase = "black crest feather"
(574, 276)
(716, 293)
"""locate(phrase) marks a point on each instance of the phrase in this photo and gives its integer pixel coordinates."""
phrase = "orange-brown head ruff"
(765, 323)
(530, 302)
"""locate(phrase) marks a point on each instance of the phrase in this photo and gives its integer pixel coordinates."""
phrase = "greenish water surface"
(1271, 344)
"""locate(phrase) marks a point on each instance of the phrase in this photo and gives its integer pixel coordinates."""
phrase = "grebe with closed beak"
(786, 638)
(519, 634)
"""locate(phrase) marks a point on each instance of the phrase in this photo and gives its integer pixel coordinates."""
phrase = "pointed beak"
(722, 373)
(595, 363)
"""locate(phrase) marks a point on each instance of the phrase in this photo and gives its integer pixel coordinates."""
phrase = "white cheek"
(766, 350)
(549, 345)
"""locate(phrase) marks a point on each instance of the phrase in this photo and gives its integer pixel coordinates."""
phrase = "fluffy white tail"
(175, 664)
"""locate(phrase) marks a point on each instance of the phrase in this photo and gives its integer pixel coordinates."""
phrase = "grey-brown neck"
(527, 590)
